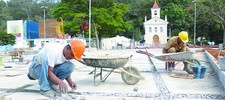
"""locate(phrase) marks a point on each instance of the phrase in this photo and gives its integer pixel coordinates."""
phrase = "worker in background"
(52, 65)
(176, 44)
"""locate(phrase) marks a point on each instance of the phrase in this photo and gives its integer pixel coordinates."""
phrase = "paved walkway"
(158, 85)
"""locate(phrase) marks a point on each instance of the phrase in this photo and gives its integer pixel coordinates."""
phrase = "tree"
(178, 13)
(106, 15)
(72, 12)
(29, 9)
(216, 8)
(179, 16)
(4, 16)
(134, 16)
(7, 38)
(109, 18)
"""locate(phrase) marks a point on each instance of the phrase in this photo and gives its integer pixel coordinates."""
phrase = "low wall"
(220, 74)
(30, 52)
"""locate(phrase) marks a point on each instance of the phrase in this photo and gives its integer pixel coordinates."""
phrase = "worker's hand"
(63, 87)
(73, 85)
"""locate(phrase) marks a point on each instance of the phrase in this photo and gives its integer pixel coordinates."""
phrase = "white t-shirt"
(54, 53)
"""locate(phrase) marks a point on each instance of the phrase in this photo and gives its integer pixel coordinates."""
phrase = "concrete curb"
(220, 74)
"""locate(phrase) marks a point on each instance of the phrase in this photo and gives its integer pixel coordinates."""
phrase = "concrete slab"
(113, 84)
(158, 85)
(26, 96)
(208, 85)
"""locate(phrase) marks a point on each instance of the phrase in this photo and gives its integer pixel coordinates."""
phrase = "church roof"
(155, 21)
(155, 5)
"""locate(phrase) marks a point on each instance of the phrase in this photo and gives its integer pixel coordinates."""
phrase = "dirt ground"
(214, 52)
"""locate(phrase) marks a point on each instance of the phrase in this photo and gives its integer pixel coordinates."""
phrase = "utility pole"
(44, 8)
(195, 24)
(89, 24)
(62, 27)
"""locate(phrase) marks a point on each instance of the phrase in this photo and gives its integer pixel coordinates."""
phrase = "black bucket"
(199, 71)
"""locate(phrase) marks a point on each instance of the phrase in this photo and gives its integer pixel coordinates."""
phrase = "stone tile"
(156, 86)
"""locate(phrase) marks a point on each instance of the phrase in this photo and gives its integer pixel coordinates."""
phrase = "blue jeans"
(39, 71)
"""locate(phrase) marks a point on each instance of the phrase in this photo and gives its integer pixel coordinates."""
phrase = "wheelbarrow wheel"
(128, 79)
(188, 66)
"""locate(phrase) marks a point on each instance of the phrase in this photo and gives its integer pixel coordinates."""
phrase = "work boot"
(49, 93)
(185, 66)
(170, 69)
(166, 66)
(173, 65)
(170, 66)
(31, 78)
(56, 88)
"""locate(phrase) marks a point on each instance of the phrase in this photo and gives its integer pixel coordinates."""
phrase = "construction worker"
(52, 65)
(176, 44)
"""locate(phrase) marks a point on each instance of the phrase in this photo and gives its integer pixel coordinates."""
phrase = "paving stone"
(158, 85)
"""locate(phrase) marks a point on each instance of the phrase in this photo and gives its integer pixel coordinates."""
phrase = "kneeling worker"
(53, 64)
(176, 44)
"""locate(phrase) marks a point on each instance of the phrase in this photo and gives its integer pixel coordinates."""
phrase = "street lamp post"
(89, 24)
(62, 28)
(195, 24)
(170, 30)
(44, 8)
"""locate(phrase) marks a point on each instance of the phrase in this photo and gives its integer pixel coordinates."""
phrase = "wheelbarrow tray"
(180, 56)
(106, 61)
(129, 74)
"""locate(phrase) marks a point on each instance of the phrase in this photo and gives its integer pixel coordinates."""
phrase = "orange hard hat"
(78, 48)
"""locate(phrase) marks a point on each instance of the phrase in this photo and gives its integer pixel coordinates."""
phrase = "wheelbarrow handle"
(82, 62)
(145, 53)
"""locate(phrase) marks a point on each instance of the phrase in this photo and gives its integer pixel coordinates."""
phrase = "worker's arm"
(164, 50)
(168, 45)
(184, 48)
(55, 79)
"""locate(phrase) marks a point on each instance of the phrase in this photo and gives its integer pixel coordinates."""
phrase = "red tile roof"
(155, 5)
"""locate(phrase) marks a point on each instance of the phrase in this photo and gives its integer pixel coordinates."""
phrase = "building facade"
(15, 27)
(118, 42)
(155, 28)
(52, 29)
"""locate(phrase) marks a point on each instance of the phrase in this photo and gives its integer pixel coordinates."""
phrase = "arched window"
(161, 29)
(155, 12)
(155, 29)
(150, 30)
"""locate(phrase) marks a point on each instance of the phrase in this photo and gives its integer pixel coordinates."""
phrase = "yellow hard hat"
(78, 48)
(183, 35)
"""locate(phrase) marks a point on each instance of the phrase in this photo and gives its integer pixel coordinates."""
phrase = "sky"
(5, 0)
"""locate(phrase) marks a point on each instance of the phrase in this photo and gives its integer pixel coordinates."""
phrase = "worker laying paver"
(52, 65)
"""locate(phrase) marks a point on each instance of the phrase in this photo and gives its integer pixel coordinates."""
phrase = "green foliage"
(7, 38)
(29, 9)
(178, 16)
(122, 17)
(71, 15)
(4, 16)
(107, 16)
(212, 16)
(110, 21)
(135, 16)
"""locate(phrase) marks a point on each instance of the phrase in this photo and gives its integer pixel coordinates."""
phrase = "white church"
(155, 28)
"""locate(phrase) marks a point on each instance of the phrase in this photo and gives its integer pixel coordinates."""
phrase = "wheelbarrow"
(176, 57)
(130, 75)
